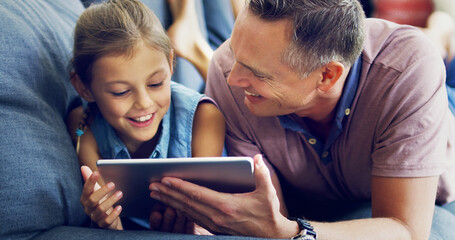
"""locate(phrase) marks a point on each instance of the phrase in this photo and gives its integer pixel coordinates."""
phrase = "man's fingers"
(191, 206)
(262, 174)
(193, 192)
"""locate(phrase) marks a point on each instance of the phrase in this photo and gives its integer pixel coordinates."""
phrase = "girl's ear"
(80, 87)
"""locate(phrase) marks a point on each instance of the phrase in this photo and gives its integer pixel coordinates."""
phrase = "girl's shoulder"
(186, 99)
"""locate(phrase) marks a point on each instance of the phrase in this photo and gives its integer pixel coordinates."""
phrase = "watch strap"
(306, 230)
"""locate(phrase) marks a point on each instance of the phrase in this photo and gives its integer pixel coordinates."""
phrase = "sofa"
(40, 180)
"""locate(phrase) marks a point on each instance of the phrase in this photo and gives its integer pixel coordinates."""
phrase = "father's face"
(271, 87)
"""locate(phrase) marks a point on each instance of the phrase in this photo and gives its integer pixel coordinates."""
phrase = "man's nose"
(239, 76)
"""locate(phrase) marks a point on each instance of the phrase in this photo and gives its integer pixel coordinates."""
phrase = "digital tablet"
(133, 177)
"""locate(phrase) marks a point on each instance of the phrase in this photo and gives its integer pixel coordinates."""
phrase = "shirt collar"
(343, 110)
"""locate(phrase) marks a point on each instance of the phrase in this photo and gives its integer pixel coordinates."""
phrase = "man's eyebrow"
(254, 71)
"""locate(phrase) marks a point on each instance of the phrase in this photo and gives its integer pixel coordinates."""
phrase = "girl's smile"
(141, 122)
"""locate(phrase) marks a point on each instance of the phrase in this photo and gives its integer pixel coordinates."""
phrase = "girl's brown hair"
(115, 27)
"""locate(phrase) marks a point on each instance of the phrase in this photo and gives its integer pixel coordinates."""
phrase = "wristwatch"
(306, 230)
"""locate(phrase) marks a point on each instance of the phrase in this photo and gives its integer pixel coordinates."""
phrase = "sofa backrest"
(40, 182)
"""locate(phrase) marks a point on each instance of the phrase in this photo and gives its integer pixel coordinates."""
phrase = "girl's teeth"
(143, 118)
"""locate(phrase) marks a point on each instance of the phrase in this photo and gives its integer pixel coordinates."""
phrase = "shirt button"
(347, 111)
(325, 154)
(312, 141)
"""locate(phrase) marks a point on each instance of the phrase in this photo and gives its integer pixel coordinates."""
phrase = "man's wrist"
(306, 230)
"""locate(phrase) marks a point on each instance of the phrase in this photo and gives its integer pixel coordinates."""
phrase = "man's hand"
(248, 214)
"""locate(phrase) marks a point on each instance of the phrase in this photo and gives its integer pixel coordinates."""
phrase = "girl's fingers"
(86, 172)
(155, 220)
(180, 223)
(109, 219)
(99, 194)
(105, 208)
(168, 220)
(89, 186)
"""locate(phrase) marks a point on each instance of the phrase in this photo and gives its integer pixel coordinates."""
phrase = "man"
(351, 119)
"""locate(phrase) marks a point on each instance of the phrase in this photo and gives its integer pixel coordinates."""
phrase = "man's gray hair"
(323, 30)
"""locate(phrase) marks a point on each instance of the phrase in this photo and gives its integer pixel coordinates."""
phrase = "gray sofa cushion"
(40, 181)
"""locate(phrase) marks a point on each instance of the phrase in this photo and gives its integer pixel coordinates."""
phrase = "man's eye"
(259, 76)
(119, 94)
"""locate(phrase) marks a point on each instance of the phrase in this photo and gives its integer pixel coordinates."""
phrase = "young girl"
(122, 67)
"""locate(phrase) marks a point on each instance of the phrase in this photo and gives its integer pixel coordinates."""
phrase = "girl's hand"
(98, 202)
(167, 219)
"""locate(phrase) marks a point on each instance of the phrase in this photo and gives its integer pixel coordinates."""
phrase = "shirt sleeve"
(412, 134)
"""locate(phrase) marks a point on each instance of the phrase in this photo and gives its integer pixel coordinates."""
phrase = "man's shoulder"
(395, 45)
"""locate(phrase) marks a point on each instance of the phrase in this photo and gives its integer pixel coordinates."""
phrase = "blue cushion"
(40, 182)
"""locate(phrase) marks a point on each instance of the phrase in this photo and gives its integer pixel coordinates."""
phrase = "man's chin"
(260, 112)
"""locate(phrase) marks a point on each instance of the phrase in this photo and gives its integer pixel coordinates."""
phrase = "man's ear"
(331, 73)
(80, 87)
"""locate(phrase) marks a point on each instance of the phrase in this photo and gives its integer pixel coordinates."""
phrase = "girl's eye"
(156, 85)
(119, 94)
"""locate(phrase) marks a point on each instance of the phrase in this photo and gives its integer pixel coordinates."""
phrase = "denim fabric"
(219, 21)
(451, 98)
(450, 78)
(40, 182)
(215, 21)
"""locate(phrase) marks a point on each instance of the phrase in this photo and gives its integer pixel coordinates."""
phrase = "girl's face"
(133, 93)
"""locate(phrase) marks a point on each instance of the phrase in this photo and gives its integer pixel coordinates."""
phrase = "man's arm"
(402, 209)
